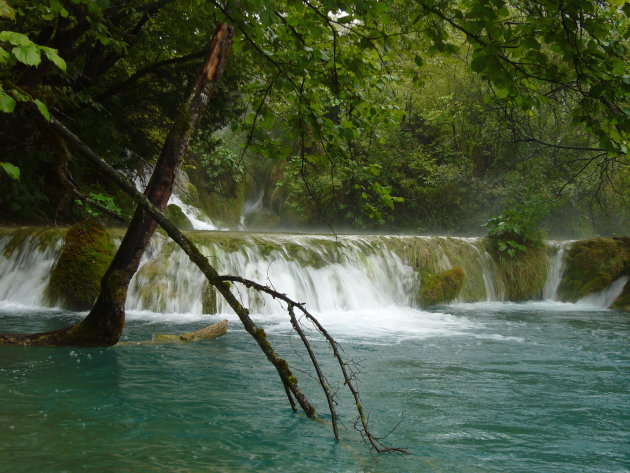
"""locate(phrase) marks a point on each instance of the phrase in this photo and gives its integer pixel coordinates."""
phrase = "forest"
(427, 118)
(401, 208)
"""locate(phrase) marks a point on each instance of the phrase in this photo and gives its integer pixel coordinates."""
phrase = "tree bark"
(103, 325)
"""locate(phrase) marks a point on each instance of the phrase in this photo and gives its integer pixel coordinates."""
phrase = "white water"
(251, 206)
(607, 296)
(348, 281)
(351, 280)
(556, 269)
(197, 218)
(24, 274)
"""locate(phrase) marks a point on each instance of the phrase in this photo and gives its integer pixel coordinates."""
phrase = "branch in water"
(220, 283)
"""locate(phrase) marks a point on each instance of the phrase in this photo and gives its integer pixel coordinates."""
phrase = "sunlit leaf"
(28, 54)
(11, 170)
(43, 109)
(7, 103)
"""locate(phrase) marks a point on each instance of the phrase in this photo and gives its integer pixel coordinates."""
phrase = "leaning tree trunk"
(103, 325)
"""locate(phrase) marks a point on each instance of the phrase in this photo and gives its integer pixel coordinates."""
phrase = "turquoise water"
(490, 387)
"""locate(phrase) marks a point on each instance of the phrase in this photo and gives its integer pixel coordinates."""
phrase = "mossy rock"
(524, 274)
(592, 265)
(304, 255)
(177, 216)
(209, 299)
(21, 238)
(224, 209)
(623, 301)
(76, 276)
(443, 287)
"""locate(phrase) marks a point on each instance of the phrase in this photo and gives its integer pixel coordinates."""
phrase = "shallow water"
(489, 387)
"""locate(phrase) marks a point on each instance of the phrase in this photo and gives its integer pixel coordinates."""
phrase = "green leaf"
(16, 39)
(418, 60)
(43, 109)
(11, 170)
(57, 60)
(28, 54)
(7, 103)
(4, 56)
(502, 93)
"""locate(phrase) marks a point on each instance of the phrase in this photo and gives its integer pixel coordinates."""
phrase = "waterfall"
(197, 218)
(328, 273)
(180, 197)
(26, 258)
(250, 206)
(607, 296)
(556, 269)
(345, 274)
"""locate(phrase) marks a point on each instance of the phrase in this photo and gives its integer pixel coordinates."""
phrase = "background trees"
(423, 116)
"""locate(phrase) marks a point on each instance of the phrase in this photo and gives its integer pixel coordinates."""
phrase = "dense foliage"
(415, 115)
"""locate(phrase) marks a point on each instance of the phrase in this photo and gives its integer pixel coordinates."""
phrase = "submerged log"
(206, 333)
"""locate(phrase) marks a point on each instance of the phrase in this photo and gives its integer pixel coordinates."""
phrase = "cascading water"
(348, 273)
(180, 198)
(197, 218)
(556, 269)
(607, 296)
(250, 206)
(26, 258)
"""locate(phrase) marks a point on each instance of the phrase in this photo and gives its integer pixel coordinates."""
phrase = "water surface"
(487, 387)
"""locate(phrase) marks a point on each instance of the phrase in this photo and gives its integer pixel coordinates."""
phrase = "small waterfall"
(26, 258)
(556, 269)
(250, 206)
(489, 272)
(181, 193)
(343, 273)
(607, 296)
(197, 218)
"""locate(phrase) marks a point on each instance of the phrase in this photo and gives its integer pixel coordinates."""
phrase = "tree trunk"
(103, 325)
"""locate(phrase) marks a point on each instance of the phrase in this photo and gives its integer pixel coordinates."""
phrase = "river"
(487, 386)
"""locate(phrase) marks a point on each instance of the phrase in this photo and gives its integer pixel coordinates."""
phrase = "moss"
(304, 255)
(41, 238)
(177, 216)
(293, 380)
(443, 287)
(524, 274)
(281, 362)
(208, 299)
(75, 278)
(166, 338)
(592, 265)
(191, 195)
(224, 209)
(623, 301)
(260, 333)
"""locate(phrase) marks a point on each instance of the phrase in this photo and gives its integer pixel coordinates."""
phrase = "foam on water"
(360, 283)
(546, 305)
